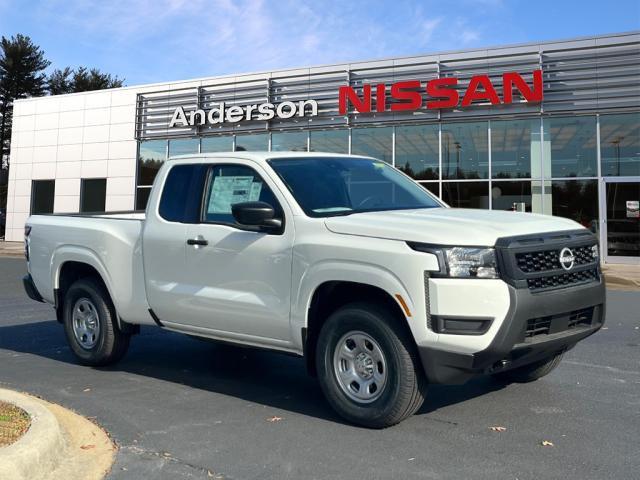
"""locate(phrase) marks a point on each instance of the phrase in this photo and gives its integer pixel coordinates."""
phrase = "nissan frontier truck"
(342, 260)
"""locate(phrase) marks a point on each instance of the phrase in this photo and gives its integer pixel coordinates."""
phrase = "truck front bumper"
(566, 315)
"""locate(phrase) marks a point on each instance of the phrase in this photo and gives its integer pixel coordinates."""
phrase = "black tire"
(404, 389)
(531, 372)
(111, 344)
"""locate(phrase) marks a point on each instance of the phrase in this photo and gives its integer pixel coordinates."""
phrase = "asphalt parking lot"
(182, 408)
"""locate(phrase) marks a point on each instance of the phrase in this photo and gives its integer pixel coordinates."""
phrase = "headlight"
(469, 262)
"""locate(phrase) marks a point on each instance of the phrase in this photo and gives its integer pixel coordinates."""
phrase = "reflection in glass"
(466, 194)
(151, 156)
(93, 192)
(620, 144)
(332, 141)
(289, 142)
(465, 150)
(517, 196)
(433, 187)
(217, 144)
(373, 142)
(512, 142)
(183, 146)
(252, 143)
(623, 219)
(573, 146)
(577, 200)
(417, 151)
(42, 195)
(142, 197)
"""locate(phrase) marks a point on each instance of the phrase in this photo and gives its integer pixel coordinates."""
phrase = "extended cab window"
(231, 184)
(182, 192)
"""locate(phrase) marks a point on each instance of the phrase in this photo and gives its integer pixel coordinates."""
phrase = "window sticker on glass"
(227, 191)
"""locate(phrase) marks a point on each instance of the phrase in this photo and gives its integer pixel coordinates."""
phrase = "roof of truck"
(260, 156)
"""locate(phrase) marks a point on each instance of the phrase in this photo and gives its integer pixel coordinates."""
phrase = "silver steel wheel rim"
(360, 367)
(86, 323)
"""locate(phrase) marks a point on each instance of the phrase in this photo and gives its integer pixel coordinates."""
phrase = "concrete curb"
(39, 449)
(59, 445)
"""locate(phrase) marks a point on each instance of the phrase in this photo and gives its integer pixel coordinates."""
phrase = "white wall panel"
(68, 136)
(66, 203)
(97, 100)
(73, 118)
(67, 186)
(23, 170)
(45, 154)
(45, 137)
(120, 186)
(98, 133)
(119, 202)
(44, 171)
(126, 149)
(21, 155)
(94, 169)
(122, 131)
(122, 168)
(97, 116)
(22, 187)
(95, 151)
(68, 170)
(70, 153)
(46, 121)
(72, 102)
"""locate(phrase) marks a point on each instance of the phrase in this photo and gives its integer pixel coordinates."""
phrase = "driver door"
(241, 279)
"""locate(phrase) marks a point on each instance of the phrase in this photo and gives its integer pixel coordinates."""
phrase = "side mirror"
(255, 214)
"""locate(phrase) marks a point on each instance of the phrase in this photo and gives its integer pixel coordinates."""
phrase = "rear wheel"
(90, 324)
(531, 372)
(367, 366)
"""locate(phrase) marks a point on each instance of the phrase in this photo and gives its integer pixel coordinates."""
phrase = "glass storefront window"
(513, 144)
(465, 150)
(151, 156)
(517, 196)
(572, 146)
(620, 144)
(466, 194)
(331, 141)
(216, 144)
(373, 142)
(433, 187)
(142, 197)
(289, 141)
(183, 146)
(252, 143)
(577, 200)
(417, 151)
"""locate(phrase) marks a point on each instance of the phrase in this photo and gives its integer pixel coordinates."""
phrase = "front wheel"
(90, 324)
(531, 372)
(367, 366)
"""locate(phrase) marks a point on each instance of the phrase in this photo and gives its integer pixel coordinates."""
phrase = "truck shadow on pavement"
(256, 376)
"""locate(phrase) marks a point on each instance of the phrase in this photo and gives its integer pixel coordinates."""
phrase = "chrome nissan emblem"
(566, 258)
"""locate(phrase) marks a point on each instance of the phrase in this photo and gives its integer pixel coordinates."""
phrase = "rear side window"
(182, 192)
(231, 184)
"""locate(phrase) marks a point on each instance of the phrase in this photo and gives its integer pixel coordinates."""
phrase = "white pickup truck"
(340, 259)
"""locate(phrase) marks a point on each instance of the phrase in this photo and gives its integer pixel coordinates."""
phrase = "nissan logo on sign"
(566, 258)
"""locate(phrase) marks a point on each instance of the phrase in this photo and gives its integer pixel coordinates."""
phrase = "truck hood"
(447, 226)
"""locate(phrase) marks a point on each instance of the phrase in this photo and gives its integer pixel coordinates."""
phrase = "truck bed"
(109, 242)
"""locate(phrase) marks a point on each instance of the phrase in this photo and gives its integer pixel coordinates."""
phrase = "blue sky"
(148, 41)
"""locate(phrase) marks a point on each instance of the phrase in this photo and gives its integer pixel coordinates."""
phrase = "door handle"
(197, 241)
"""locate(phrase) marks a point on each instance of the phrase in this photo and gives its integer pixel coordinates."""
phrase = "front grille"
(563, 280)
(558, 323)
(544, 260)
(533, 261)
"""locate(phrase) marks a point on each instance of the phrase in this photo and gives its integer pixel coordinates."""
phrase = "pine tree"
(22, 65)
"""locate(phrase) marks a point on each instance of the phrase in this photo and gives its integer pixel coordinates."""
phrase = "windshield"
(329, 186)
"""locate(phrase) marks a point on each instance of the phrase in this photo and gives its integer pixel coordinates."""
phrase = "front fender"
(341, 270)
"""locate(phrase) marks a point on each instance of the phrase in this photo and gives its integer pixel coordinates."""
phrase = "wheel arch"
(331, 295)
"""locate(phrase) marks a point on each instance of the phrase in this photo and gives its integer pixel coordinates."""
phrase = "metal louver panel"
(585, 75)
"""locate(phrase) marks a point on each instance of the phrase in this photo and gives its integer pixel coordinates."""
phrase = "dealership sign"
(407, 95)
(236, 113)
(441, 93)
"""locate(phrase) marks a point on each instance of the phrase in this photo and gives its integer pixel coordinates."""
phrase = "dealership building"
(548, 127)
